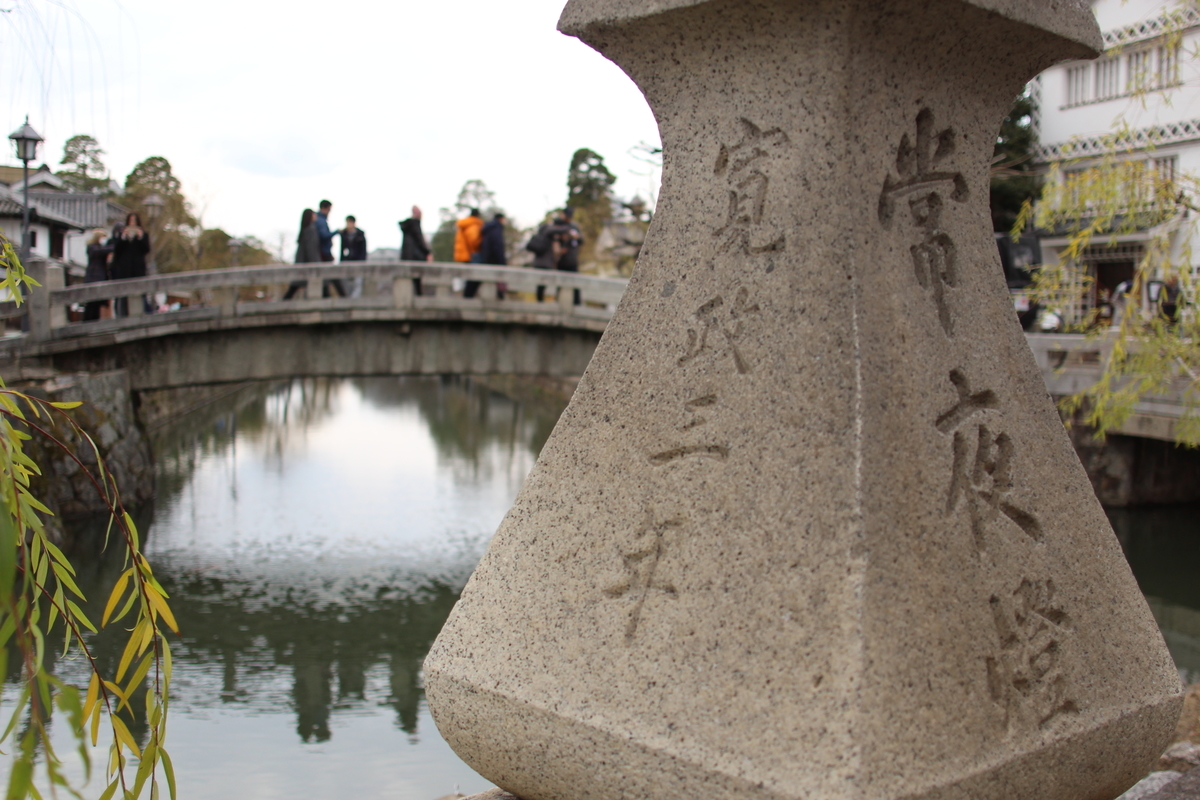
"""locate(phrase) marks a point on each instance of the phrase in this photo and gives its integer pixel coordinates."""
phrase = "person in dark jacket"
(308, 248)
(130, 248)
(354, 248)
(567, 240)
(544, 258)
(413, 246)
(99, 253)
(354, 241)
(491, 251)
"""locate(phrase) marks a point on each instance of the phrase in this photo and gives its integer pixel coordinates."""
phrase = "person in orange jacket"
(468, 244)
(468, 239)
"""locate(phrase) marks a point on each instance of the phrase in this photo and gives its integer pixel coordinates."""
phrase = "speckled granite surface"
(810, 526)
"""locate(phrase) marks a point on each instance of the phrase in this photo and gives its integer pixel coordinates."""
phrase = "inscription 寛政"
(745, 167)
(715, 320)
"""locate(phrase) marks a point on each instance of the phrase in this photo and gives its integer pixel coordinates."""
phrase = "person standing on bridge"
(325, 235)
(568, 238)
(492, 250)
(468, 239)
(413, 246)
(354, 248)
(308, 249)
(99, 253)
(130, 248)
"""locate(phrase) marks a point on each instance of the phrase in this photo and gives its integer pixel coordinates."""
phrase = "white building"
(52, 235)
(60, 220)
(1148, 81)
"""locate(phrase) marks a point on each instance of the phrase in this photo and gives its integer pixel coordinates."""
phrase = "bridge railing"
(386, 285)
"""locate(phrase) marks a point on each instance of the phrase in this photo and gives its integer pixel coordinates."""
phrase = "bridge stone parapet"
(235, 325)
(1071, 363)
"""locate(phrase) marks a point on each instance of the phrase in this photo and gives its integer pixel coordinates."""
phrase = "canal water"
(314, 535)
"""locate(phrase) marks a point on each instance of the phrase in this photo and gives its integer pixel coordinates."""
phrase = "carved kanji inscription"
(640, 570)
(981, 476)
(746, 167)
(1025, 677)
(921, 178)
(718, 328)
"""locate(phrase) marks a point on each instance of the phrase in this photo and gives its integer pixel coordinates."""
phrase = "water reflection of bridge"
(342, 627)
(234, 325)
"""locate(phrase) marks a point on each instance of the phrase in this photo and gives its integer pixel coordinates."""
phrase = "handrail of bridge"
(389, 288)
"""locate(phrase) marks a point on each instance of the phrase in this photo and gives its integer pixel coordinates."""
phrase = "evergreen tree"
(174, 233)
(1014, 180)
(87, 173)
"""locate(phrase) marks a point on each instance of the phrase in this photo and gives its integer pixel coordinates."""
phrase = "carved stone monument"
(811, 527)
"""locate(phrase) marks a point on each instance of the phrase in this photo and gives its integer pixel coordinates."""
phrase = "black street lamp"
(154, 206)
(235, 252)
(26, 140)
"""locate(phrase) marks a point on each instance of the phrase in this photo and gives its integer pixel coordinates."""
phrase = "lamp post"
(154, 205)
(26, 140)
(235, 252)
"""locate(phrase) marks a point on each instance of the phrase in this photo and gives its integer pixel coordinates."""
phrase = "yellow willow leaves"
(39, 590)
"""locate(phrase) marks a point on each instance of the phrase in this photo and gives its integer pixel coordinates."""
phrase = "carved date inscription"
(921, 180)
(696, 446)
(719, 326)
(1025, 677)
(640, 570)
(745, 165)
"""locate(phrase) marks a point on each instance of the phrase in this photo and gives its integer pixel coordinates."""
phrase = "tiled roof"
(11, 206)
(89, 210)
(10, 175)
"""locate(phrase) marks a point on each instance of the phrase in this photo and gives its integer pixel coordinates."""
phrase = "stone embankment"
(108, 417)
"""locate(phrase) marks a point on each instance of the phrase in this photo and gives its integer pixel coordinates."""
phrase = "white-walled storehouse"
(51, 233)
(1148, 83)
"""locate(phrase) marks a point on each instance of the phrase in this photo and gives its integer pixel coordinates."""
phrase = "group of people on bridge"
(315, 244)
(555, 245)
(116, 255)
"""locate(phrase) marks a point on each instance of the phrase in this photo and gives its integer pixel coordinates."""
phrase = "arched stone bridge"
(235, 326)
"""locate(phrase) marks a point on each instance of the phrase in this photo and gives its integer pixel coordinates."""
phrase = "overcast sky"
(264, 108)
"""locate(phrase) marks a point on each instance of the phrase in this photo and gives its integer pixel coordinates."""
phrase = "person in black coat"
(98, 252)
(413, 246)
(354, 241)
(308, 248)
(491, 251)
(130, 248)
(354, 248)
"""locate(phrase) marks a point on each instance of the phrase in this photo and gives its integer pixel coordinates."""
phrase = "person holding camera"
(131, 245)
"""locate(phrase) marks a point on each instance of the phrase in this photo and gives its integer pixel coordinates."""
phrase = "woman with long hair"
(131, 245)
(308, 248)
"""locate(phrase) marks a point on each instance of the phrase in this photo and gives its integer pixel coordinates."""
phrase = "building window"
(1078, 84)
(1108, 78)
(1165, 169)
(1139, 73)
(1167, 65)
(57, 239)
(32, 239)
